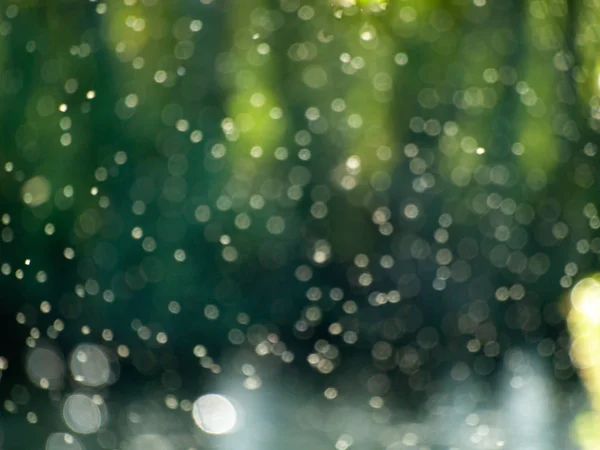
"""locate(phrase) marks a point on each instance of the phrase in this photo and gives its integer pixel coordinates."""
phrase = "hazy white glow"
(214, 414)
(36, 191)
(585, 298)
(63, 441)
(82, 414)
(149, 442)
(45, 367)
(90, 365)
(528, 408)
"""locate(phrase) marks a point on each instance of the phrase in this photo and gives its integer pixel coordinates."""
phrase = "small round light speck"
(82, 414)
(214, 414)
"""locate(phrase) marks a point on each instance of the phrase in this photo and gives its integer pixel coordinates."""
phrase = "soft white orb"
(82, 414)
(149, 442)
(214, 414)
(45, 367)
(63, 441)
(90, 365)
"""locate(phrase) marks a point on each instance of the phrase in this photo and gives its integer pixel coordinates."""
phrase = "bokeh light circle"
(91, 366)
(214, 414)
(83, 414)
(45, 367)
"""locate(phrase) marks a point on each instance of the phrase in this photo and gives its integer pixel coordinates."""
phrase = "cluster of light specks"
(83, 413)
(325, 359)
(206, 361)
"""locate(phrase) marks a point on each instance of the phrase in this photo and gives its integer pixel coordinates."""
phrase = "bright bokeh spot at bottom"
(214, 414)
(583, 322)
